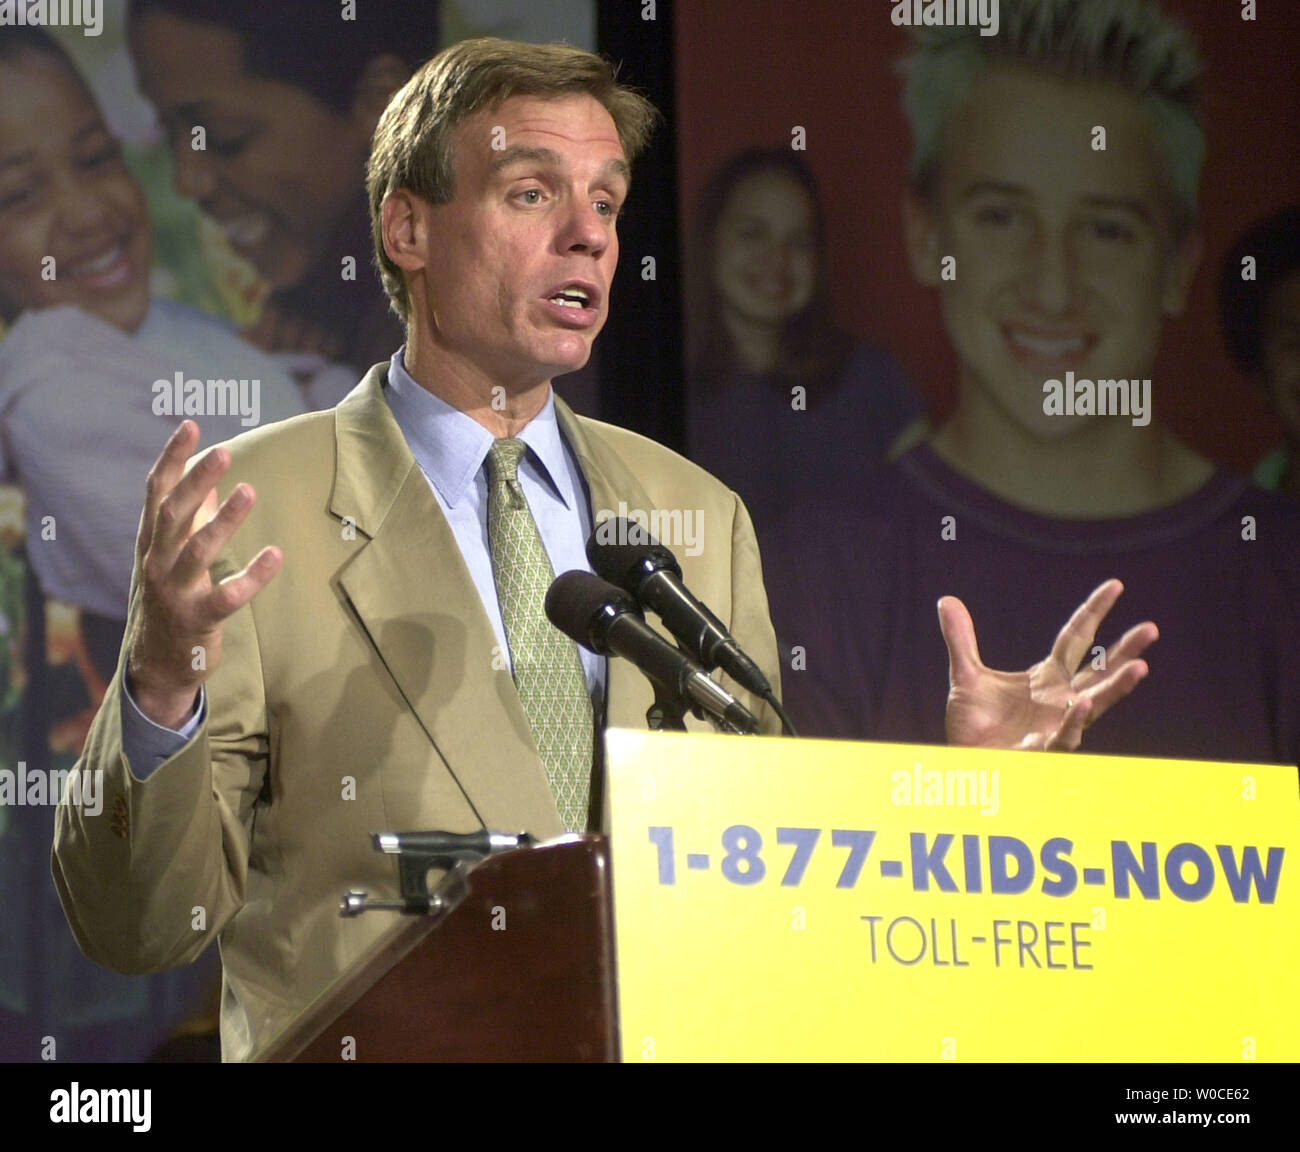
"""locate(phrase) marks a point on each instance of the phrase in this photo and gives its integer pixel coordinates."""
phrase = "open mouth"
(572, 298)
(574, 304)
(110, 268)
(246, 231)
(1038, 348)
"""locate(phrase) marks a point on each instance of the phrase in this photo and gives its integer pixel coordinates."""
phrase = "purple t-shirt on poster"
(854, 577)
(748, 433)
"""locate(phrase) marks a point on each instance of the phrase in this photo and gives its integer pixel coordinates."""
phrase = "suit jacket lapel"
(413, 594)
(609, 483)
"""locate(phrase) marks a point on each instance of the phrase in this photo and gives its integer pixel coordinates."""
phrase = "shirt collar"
(450, 446)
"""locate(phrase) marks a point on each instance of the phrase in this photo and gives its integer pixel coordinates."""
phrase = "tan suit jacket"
(357, 693)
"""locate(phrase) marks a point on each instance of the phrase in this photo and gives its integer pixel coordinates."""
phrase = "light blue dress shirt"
(451, 450)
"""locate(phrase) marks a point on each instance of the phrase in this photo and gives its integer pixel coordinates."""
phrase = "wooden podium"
(521, 969)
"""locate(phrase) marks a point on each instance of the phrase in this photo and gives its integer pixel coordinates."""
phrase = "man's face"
(280, 169)
(765, 265)
(1065, 260)
(1281, 353)
(65, 194)
(517, 268)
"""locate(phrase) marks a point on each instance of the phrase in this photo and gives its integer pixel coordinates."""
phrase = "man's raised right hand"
(175, 639)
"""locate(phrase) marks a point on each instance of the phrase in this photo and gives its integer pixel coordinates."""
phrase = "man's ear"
(380, 78)
(922, 239)
(402, 225)
(1180, 272)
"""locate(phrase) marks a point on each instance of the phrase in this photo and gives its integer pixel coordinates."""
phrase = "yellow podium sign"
(823, 900)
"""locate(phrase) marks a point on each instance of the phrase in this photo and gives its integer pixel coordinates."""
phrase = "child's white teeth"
(1043, 347)
(246, 229)
(101, 264)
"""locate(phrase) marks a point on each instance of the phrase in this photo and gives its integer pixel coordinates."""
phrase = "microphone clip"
(667, 713)
(418, 854)
(706, 701)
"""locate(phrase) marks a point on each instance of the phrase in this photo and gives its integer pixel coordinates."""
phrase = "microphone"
(650, 572)
(607, 620)
(450, 845)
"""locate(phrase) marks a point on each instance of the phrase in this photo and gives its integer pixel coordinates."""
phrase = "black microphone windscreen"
(624, 553)
(576, 601)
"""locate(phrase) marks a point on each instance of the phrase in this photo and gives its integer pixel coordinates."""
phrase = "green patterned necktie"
(548, 673)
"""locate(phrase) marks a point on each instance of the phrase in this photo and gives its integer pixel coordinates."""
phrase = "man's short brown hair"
(412, 144)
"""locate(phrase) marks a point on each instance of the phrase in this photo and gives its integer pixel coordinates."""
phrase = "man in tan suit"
(365, 688)
(257, 731)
